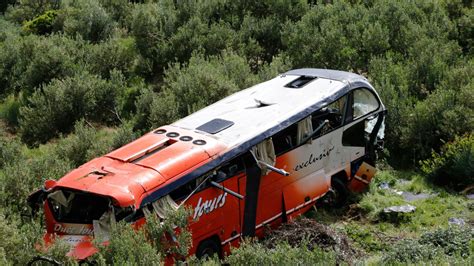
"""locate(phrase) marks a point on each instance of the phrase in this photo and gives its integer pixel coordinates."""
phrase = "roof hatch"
(300, 82)
(215, 126)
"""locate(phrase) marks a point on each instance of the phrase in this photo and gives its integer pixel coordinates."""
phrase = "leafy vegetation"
(80, 78)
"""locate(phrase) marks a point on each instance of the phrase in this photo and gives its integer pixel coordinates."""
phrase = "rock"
(400, 209)
(384, 185)
(457, 221)
(409, 196)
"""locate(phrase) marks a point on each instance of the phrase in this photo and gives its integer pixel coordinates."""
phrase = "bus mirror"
(274, 169)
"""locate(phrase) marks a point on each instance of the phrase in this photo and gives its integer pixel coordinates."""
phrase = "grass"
(362, 221)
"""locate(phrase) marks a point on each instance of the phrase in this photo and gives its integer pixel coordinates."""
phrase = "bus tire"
(208, 248)
(340, 193)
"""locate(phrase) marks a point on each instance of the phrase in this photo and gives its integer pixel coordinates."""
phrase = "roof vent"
(215, 126)
(300, 82)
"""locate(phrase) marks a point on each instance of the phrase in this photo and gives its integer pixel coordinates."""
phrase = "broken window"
(364, 103)
(332, 116)
(77, 207)
(285, 140)
(305, 129)
(265, 152)
(182, 192)
(230, 169)
(161, 207)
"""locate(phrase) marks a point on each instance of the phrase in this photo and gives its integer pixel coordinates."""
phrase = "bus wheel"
(337, 197)
(208, 248)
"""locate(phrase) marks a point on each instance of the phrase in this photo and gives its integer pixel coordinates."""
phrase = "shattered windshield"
(77, 207)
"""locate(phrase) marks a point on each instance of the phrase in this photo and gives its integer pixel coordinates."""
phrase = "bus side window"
(285, 140)
(364, 102)
(230, 169)
(333, 113)
(186, 189)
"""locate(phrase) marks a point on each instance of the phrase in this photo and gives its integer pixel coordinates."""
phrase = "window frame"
(350, 111)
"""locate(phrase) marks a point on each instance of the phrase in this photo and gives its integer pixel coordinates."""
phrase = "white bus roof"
(269, 104)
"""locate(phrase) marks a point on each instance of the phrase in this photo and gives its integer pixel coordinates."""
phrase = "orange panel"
(362, 178)
(175, 159)
(138, 147)
(304, 190)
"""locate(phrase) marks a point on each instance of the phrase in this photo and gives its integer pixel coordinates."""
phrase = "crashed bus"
(252, 160)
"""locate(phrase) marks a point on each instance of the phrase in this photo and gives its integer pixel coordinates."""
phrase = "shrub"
(75, 147)
(391, 81)
(202, 82)
(151, 25)
(254, 253)
(7, 29)
(4, 5)
(410, 251)
(453, 240)
(25, 175)
(56, 107)
(148, 245)
(127, 247)
(89, 20)
(323, 38)
(10, 150)
(42, 24)
(25, 10)
(10, 109)
(33, 61)
(115, 54)
(123, 135)
(197, 35)
(454, 165)
(143, 109)
(432, 247)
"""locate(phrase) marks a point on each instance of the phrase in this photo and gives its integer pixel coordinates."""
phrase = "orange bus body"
(173, 160)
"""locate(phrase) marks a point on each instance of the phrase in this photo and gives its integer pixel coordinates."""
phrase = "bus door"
(364, 125)
(228, 177)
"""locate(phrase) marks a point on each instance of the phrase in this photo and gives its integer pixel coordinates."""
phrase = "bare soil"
(313, 234)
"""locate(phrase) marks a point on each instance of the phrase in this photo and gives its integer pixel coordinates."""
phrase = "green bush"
(151, 25)
(10, 109)
(4, 5)
(87, 143)
(20, 238)
(115, 54)
(75, 147)
(56, 107)
(254, 253)
(10, 151)
(89, 20)
(24, 10)
(454, 165)
(127, 247)
(33, 61)
(410, 251)
(24, 175)
(324, 39)
(433, 246)
(123, 135)
(41, 25)
(453, 240)
(148, 245)
(8, 30)
(202, 82)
